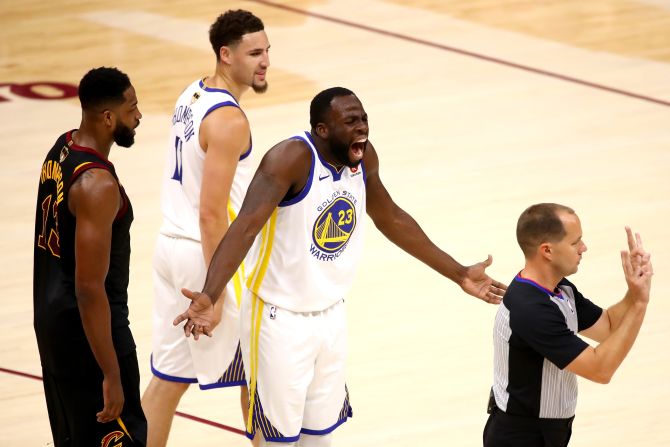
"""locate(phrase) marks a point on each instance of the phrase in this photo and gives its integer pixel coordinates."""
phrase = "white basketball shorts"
(295, 365)
(212, 362)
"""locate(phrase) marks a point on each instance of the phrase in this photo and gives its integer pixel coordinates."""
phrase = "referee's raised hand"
(637, 267)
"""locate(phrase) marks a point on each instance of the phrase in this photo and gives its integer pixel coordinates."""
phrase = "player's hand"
(637, 268)
(478, 284)
(200, 316)
(112, 393)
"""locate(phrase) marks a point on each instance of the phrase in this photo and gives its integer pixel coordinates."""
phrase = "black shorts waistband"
(526, 421)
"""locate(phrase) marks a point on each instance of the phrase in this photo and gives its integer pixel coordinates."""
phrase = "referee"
(537, 353)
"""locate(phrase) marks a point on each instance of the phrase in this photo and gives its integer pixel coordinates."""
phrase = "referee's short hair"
(540, 223)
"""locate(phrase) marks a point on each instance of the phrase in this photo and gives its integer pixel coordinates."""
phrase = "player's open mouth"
(357, 149)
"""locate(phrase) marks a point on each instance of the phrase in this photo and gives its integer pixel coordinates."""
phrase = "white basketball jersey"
(180, 196)
(311, 245)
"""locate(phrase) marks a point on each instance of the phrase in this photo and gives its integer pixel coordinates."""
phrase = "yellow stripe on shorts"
(264, 238)
(259, 274)
(238, 277)
(123, 427)
(256, 318)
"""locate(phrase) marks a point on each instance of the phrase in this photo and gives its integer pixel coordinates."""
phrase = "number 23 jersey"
(312, 243)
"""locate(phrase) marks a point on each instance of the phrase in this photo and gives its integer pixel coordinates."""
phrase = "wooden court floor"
(477, 108)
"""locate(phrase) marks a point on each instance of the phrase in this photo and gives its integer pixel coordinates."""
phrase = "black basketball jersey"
(62, 343)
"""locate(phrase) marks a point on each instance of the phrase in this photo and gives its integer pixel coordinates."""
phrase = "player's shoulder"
(226, 114)
(95, 193)
(292, 154)
(53, 155)
(189, 94)
(61, 140)
(226, 123)
(202, 99)
(99, 180)
(292, 147)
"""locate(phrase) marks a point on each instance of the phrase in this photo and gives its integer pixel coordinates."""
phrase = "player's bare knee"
(164, 387)
(315, 440)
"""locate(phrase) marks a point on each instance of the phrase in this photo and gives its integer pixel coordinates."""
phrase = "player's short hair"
(230, 26)
(102, 87)
(538, 224)
(321, 103)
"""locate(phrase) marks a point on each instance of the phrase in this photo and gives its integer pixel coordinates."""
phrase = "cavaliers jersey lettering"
(311, 245)
(180, 197)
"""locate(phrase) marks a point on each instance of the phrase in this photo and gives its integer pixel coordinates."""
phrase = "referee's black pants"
(504, 430)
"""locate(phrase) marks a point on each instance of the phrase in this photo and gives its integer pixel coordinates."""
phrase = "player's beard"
(340, 151)
(260, 88)
(123, 135)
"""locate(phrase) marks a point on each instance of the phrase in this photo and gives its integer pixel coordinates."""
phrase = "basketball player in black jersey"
(80, 279)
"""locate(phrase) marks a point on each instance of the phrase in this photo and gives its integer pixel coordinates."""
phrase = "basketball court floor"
(478, 109)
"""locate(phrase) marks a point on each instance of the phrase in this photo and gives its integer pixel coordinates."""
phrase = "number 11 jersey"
(182, 179)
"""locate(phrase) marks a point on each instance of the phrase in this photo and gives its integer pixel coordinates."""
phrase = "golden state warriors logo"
(334, 225)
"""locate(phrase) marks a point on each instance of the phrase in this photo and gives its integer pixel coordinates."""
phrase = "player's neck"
(543, 275)
(86, 136)
(221, 80)
(325, 152)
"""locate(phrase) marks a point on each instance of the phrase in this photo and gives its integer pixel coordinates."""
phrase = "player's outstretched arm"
(224, 136)
(283, 170)
(401, 229)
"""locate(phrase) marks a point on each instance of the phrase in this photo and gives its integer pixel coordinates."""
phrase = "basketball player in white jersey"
(308, 196)
(206, 176)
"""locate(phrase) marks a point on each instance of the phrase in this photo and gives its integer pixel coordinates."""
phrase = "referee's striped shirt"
(534, 339)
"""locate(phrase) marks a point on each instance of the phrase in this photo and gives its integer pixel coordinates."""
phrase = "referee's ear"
(545, 250)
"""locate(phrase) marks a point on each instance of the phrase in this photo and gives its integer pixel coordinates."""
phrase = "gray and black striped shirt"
(534, 339)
